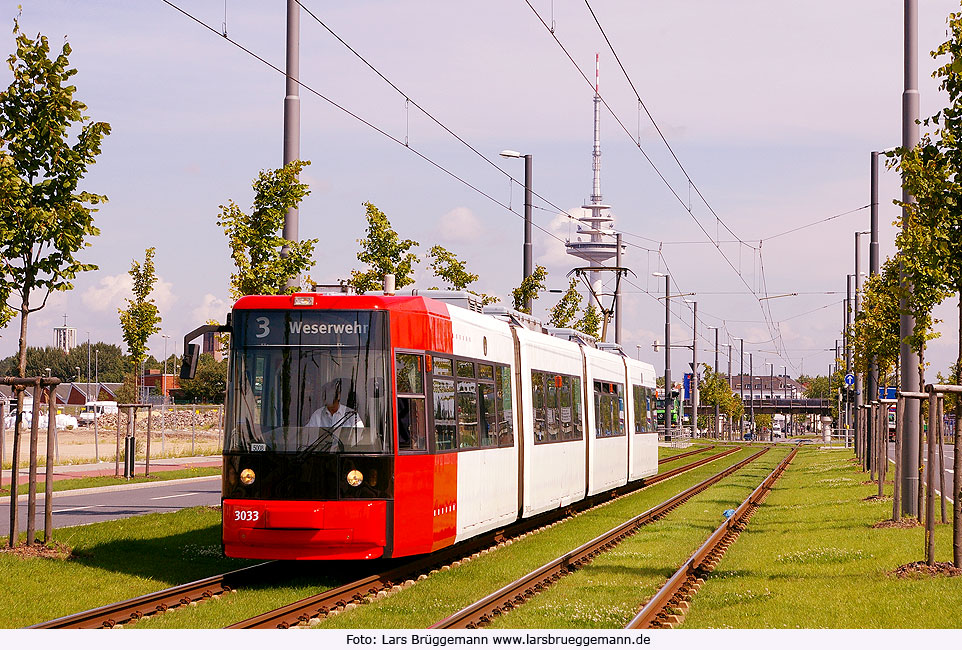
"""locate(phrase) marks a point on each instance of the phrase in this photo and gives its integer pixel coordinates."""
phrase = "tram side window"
(576, 408)
(502, 385)
(640, 402)
(609, 410)
(538, 407)
(488, 415)
(552, 417)
(567, 430)
(410, 403)
(467, 414)
(445, 429)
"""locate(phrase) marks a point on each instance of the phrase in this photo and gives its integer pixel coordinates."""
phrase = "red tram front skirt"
(304, 530)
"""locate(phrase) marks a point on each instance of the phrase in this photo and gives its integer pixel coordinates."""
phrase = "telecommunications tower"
(600, 246)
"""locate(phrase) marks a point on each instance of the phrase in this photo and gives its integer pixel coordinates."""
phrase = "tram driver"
(334, 417)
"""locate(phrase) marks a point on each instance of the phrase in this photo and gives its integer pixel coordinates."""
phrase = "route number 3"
(246, 515)
(264, 324)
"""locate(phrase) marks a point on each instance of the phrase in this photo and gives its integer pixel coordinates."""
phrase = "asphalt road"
(79, 507)
(949, 455)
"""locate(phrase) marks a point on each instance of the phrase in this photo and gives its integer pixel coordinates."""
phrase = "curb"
(112, 488)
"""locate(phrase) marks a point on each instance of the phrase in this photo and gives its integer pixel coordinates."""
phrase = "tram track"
(670, 603)
(356, 592)
(158, 602)
(483, 611)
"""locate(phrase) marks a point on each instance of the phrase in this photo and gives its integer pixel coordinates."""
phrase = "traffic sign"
(849, 379)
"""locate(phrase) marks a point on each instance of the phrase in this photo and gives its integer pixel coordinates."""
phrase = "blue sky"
(772, 108)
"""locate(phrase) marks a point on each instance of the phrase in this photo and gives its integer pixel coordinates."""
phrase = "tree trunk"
(18, 422)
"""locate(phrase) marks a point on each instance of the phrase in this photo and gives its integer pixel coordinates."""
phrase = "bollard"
(130, 448)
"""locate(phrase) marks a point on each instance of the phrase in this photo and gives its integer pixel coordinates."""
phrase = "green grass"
(100, 481)
(607, 592)
(445, 592)
(113, 561)
(811, 559)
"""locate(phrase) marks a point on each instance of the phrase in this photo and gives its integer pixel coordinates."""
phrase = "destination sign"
(308, 328)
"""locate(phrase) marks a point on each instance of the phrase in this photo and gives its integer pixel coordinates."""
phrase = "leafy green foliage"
(45, 219)
(564, 313)
(590, 321)
(529, 289)
(383, 251)
(265, 261)
(446, 266)
(875, 332)
(209, 384)
(64, 365)
(141, 319)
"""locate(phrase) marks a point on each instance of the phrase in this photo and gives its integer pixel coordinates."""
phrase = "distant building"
(212, 345)
(65, 338)
(767, 387)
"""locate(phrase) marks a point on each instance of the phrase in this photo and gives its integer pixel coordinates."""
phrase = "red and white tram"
(371, 426)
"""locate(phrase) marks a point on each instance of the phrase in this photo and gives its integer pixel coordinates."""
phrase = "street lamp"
(527, 268)
(658, 274)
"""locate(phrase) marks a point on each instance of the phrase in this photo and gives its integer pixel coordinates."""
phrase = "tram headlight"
(354, 478)
(247, 476)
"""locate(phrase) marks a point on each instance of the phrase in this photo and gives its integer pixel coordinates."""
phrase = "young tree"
(565, 312)
(209, 384)
(590, 321)
(265, 261)
(383, 251)
(141, 319)
(932, 242)
(530, 287)
(446, 266)
(45, 219)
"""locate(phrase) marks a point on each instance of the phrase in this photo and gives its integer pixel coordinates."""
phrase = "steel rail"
(685, 454)
(321, 604)
(133, 609)
(481, 612)
(687, 579)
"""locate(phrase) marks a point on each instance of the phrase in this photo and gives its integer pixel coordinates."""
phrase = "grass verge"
(811, 559)
(113, 561)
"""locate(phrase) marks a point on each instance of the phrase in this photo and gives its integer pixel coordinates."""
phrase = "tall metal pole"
(741, 385)
(618, 290)
(848, 347)
(771, 392)
(751, 371)
(873, 269)
(729, 381)
(694, 368)
(859, 397)
(292, 115)
(668, 357)
(715, 369)
(527, 269)
(909, 360)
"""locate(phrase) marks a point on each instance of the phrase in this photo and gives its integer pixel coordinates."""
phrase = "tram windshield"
(309, 382)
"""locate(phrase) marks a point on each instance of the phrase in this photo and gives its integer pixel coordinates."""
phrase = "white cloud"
(109, 293)
(112, 291)
(211, 308)
(459, 226)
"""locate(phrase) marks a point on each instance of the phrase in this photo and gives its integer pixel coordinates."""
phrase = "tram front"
(308, 451)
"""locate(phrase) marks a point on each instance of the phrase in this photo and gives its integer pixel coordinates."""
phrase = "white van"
(96, 409)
